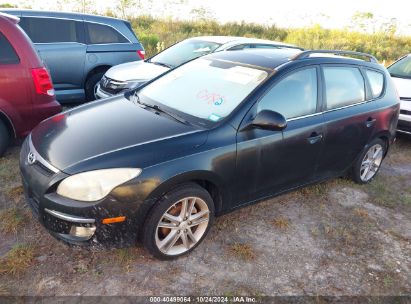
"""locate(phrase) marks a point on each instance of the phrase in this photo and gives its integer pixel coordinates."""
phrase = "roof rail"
(306, 54)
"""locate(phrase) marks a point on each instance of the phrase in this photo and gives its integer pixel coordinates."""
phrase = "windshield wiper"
(162, 64)
(158, 109)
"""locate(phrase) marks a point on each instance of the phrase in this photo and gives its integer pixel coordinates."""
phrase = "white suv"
(401, 74)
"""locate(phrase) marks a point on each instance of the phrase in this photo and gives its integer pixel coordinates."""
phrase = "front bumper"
(102, 94)
(404, 119)
(72, 221)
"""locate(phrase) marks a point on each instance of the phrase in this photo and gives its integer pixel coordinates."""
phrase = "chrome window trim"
(331, 110)
(40, 159)
(70, 218)
(79, 20)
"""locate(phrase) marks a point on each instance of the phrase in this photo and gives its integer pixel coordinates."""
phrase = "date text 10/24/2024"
(204, 299)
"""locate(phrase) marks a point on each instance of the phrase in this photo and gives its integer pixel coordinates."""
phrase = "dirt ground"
(335, 238)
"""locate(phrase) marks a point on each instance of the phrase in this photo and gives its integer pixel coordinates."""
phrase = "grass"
(281, 223)
(126, 256)
(389, 191)
(12, 219)
(243, 251)
(3, 290)
(17, 260)
(361, 212)
(15, 193)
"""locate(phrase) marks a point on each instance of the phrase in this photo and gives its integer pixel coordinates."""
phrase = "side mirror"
(269, 120)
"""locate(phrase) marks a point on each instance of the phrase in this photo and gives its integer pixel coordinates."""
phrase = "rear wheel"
(369, 162)
(91, 86)
(4, 138)
(179, 222)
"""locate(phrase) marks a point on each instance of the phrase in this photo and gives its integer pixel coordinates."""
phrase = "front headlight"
(94, 185)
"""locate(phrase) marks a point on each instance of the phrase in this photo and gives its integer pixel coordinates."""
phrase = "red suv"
(26, 91)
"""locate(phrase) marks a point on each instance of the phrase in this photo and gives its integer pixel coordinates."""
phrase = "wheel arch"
(96, 70)
(205, 179)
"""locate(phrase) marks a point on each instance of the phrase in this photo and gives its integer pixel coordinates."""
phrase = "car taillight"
(141, 54)
(42, 81)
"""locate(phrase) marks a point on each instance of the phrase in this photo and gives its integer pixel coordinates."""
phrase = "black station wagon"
(220, 132)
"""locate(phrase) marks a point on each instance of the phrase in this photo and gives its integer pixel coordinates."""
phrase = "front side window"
(7, 53)
(206, 89)
(49, 30)
(293, 96)
(184, 51)
(344, 86)
(401, 68)
(101, 34)
(376, 80)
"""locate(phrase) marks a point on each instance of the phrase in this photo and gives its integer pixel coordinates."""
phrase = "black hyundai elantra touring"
(218, 133)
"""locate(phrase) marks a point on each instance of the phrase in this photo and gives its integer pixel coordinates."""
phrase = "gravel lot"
(335, 238)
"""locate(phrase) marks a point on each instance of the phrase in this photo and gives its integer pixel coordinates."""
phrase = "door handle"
(370, 122)
(314, 138)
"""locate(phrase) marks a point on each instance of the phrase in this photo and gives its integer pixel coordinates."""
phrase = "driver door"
(270, 162)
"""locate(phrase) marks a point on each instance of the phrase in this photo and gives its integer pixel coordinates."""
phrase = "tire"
(4, 138)
(90, 85)
(369, 162)
(185, 235)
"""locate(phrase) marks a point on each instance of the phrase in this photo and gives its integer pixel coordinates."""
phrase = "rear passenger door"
(60, 43)
(349, 114)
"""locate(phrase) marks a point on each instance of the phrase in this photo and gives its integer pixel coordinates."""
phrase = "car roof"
(267, 59)
(57, 14)
(237, 40)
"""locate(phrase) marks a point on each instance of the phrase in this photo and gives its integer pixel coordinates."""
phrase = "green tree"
(7, 5)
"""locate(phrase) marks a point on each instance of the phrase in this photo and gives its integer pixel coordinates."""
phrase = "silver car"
(401, 74)
(133, 74)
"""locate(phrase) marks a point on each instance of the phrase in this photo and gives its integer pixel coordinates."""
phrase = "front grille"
(42, 169)
(405, 98)
(112, 86)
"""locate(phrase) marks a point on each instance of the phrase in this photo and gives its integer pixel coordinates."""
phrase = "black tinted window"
(7, 53)
(265, 46)
(401, 68)
(49, 30)
(293, 96)
(99, 34)
(344, 86)
(376, 80)
(240, 47)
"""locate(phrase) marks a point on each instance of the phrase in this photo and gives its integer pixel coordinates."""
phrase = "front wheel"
(178, 222)
(369, 162)
(91, 86)
(4, 138)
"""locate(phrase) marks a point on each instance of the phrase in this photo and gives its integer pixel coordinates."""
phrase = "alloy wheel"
(182, 226)
(371, 162)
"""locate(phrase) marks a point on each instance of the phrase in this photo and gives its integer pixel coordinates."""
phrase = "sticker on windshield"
(244, 75)
(214, 117)
(211, 98)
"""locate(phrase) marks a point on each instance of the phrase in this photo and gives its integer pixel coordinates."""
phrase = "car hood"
(137, 70)
(112, 133)
(403, 86)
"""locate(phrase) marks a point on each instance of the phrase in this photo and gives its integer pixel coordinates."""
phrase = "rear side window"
(265, 46)
(240, 47)
(376, 80)
(7, 53)
(344, 86)
(293, 96)
(50, 30)
(100, 34)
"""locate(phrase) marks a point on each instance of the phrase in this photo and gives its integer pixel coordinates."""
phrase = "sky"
(289, 13)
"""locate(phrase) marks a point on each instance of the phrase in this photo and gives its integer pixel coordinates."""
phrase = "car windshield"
(207, 89)
(401, 68)
(184, 51)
